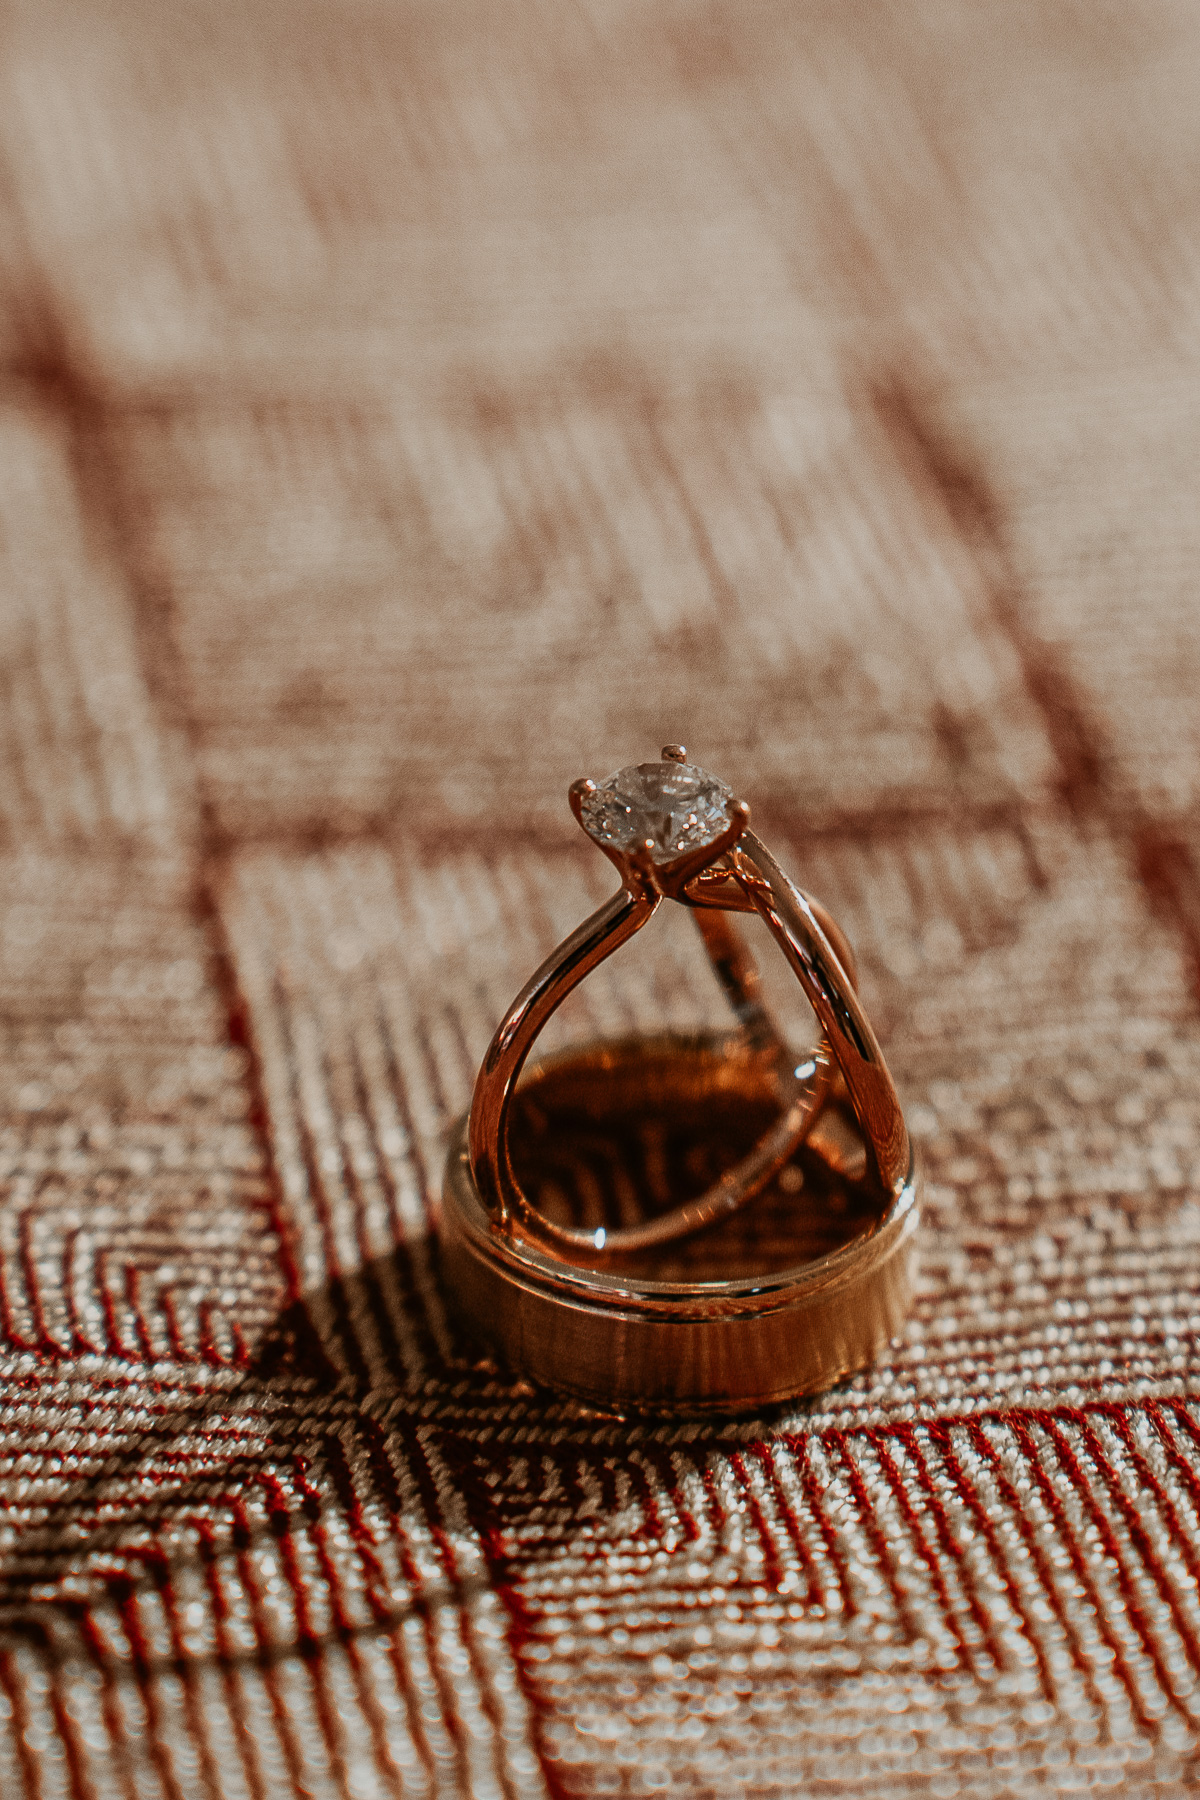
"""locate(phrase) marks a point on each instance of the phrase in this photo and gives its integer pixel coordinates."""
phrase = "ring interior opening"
(613, 1135)
(661, 979)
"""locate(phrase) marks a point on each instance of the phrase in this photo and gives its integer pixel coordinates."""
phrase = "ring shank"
(801, 1091)
(748, 880)
(793, 921)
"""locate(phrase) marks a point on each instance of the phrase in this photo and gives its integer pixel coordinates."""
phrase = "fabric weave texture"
(405, 409)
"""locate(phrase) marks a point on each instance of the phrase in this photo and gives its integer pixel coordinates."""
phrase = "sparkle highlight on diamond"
(670, 806)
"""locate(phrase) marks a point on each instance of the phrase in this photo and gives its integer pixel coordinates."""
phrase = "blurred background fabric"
(404, 409)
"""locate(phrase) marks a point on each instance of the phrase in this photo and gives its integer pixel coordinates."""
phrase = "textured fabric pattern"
(405, 409)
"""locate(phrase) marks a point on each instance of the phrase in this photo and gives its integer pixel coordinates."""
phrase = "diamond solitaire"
(668, 806)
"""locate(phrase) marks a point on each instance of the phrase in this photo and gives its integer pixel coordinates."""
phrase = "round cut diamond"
(671, 806)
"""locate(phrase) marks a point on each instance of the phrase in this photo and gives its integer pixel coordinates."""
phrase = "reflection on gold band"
(573, 1300)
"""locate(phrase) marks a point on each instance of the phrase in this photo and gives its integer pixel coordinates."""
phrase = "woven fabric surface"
(406, 408)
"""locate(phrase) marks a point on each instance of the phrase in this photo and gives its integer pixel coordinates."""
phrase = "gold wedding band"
(567, 1304)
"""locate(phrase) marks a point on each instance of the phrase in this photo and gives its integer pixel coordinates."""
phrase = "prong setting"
(673, 877)
(661, 830)
(577, 793)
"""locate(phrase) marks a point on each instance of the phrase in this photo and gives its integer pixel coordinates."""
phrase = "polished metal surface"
(626, 1341)
(568, 1302)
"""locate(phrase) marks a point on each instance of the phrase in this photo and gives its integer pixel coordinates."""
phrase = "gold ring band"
(619, 1341)
(559, 1300)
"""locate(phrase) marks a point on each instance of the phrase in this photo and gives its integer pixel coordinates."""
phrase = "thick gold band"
(619, 1341)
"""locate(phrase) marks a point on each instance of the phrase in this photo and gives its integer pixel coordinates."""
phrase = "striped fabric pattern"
(405, 409)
